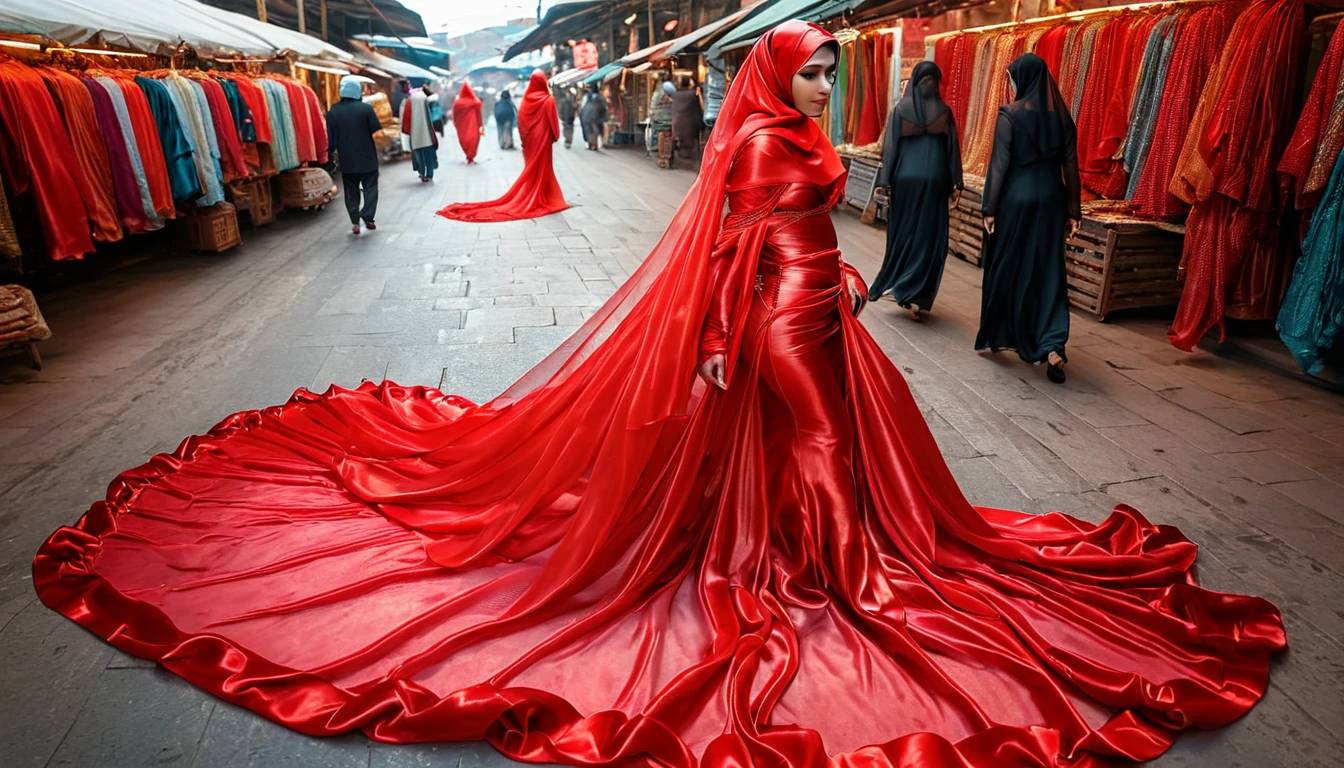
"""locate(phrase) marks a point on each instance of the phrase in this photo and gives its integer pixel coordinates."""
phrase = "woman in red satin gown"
(617, 560)
(536, 191)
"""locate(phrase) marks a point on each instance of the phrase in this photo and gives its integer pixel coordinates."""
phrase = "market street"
(1247, 462)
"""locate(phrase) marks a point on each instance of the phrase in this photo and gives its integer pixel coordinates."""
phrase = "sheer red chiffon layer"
(467, 121)
(536, 192)
(610, 563)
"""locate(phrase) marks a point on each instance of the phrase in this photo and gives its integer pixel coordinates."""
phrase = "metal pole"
(323, 7)
(302, 25)
(651, 38)
(261, 11)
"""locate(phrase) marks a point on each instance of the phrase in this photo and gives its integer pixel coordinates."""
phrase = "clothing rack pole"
(1066, 17)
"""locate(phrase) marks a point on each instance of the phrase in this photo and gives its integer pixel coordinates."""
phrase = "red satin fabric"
(536, 192)
(1314, 137)
(467, 120)
(608, 564)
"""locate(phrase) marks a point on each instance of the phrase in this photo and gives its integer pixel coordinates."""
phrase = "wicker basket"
(253, 196)
(305, 188)
(214, 228)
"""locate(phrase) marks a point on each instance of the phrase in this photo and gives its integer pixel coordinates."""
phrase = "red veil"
(536, 192)
(586, 570)
(467, 120)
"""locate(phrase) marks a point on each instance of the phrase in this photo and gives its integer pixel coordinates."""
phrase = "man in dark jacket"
(351, 125)
(506, 114)
(569, 109)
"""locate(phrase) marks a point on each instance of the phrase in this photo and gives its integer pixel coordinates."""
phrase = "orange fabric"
(95, 177)
(151, 149)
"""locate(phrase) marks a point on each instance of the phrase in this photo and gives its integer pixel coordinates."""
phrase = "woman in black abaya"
(921, 167)
(1031, 204)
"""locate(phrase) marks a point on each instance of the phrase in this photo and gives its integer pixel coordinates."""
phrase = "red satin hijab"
(467, 120)
(536, 191)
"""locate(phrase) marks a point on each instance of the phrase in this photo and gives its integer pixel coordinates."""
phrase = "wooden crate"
(253, 197)
(213, 228)
(1122, 264)
(966, 228)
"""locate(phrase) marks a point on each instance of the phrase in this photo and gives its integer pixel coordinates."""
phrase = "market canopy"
(571, 76)
(603, 74)
(750, 31)
(563, 20)
(395, 66)
(694, 40)
(156, 26)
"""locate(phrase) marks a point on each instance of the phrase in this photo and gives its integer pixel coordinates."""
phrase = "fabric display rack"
(91, 153)
(1180, 138)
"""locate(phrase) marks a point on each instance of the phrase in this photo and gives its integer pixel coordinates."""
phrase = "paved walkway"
(1248, 463)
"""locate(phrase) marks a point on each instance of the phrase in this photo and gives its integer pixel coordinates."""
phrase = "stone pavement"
(1248, 463)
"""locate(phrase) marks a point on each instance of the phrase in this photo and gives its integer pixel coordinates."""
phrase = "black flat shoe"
(1055, 373)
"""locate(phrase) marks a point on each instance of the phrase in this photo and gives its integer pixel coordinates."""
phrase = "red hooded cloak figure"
(615, 563)
(536, 191)
(467, 120)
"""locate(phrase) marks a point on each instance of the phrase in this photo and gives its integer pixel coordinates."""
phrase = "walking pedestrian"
(468, 121)
(921, 168)
(1031, 204)
(592, 115)
(506, 114)
(569, 109)
(660, 113)
(351, 126)
(688, 119)
(417, 123)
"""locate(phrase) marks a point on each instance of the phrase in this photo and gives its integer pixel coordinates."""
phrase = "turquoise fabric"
(1313, 311)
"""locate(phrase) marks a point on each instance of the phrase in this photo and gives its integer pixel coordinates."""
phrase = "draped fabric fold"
(610, 563)
(535, 192)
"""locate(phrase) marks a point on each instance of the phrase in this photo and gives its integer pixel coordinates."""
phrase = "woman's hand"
(954, 199)
(1073, 227)
(989, 224)
(858, 293)
(714, 370)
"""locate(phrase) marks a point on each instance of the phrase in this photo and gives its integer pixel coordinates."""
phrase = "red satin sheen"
(610, 563)
(536, 191)
(467, 121)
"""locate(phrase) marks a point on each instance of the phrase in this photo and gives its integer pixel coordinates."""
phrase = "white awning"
(156, 26)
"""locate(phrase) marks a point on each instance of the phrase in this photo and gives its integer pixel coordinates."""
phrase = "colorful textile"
(75, 104)
(177, 155)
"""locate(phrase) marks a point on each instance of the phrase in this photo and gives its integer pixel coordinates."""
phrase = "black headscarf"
(1039, 113)
(922, 104)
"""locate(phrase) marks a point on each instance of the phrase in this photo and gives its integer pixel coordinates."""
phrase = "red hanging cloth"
(37, 156)
(536, 192)
(72, 100)
(1234, 261)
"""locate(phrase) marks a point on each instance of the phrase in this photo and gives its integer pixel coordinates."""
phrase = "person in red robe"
(468, 120)
(711, 530)
(536, 192)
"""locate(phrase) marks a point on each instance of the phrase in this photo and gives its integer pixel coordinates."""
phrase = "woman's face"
(812, 83)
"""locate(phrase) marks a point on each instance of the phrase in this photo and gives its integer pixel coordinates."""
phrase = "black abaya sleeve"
(999, 161)
(953, 154)
(890, 149)
(1072, 187)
